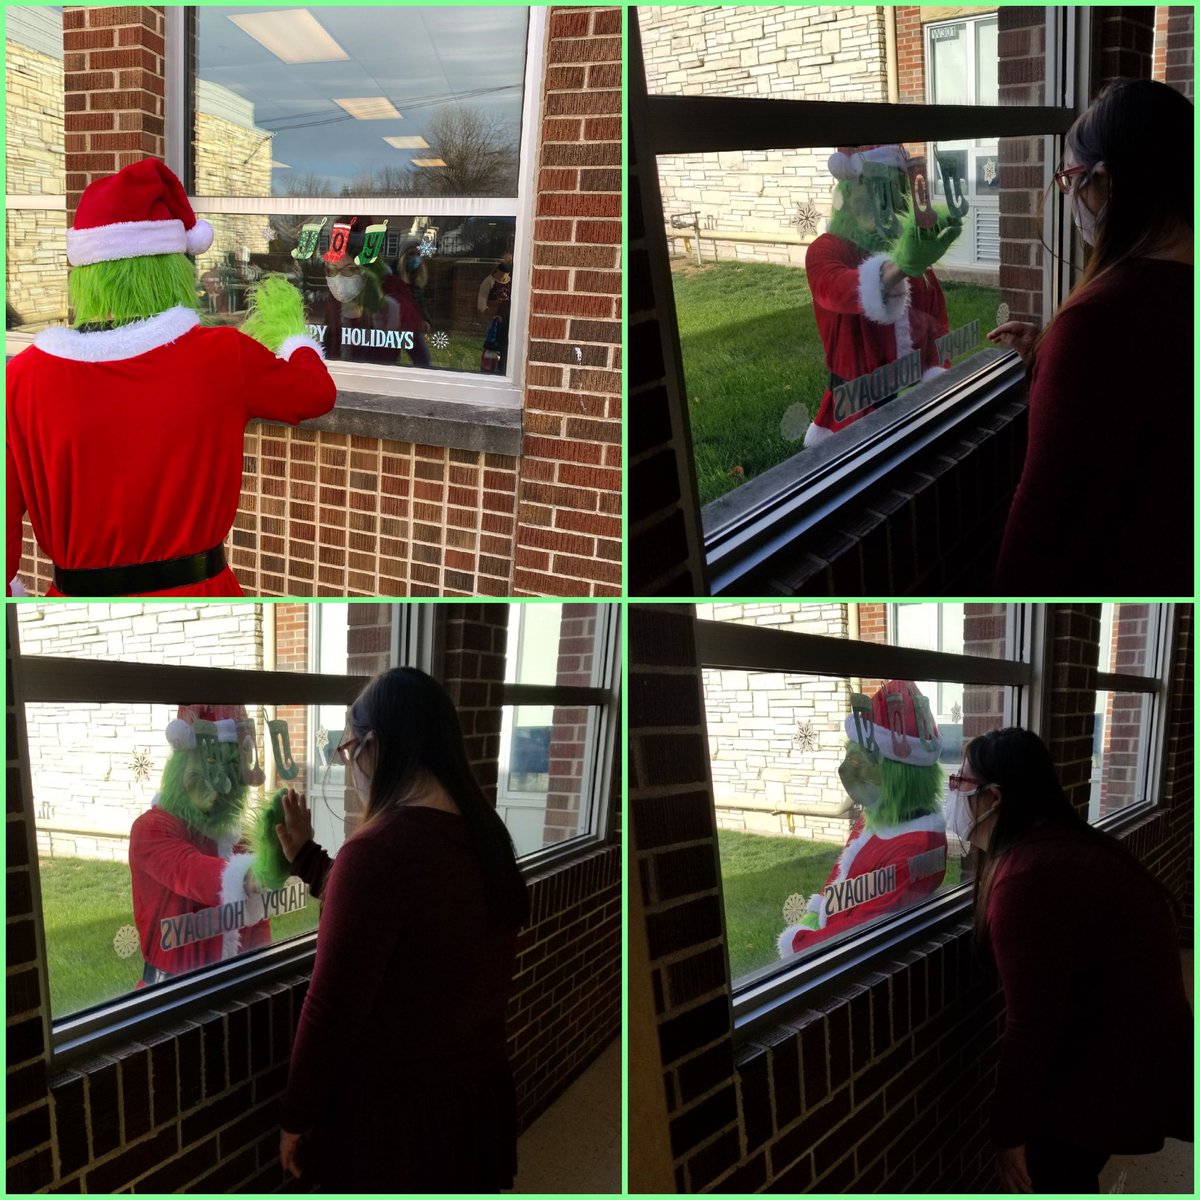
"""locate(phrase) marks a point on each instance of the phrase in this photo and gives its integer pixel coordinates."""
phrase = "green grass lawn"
(751, 350)
(84, 903)
(759, 873)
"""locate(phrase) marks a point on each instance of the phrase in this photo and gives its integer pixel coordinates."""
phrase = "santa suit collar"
(126, 341)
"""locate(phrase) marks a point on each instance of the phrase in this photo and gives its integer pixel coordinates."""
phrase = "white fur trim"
(883, 310)
(920, 757)
(815, 434)
(784, 943)
(227, 731)
(16, 587)
(933, 373)
(126, 341)
(843, 166)
(295, 342)
(233, 889)
(903, 330)
(199, 237)
(126, 239)
(181, 735)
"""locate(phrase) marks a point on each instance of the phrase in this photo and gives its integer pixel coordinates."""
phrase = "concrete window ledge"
(483, 428)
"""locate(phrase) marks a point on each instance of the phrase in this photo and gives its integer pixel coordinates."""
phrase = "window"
(818, 842)
(375, 157)
(558, 723)
(35, 168)
(111, 692)
(770, 131)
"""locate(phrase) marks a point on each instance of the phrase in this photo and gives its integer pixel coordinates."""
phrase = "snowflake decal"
(428, 245)
(1002, 314)
(795, 908)
(126, 941)
(956, 713)
(989, 171)
(440, 340)
(142, 765)
(807, 219)
(322, 738)
(806, 737)
(794, 422)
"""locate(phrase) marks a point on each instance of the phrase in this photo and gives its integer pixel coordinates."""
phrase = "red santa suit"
(891, 875)
(125, 446)
(177, 871)
(862, 328)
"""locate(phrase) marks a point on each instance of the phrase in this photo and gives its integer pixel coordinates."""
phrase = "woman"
(407, 287)
(399, 1076)
(1097, 1048)
(1105, 498)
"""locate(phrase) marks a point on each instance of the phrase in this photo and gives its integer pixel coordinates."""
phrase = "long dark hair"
(1135, 127)
(1018, 763)
(418, 736)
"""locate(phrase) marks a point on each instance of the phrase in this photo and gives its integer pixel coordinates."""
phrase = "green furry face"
(890, 792)
(853, 215)
(860, 776)
(131, 289)
(188, 794)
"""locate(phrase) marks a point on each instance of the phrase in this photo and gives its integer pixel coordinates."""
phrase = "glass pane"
(980, 630)
(1120, 746)
(34, 151)
(546, 780)
(817, 315)
(358, 101)
(559, 644)
(818, 839)
(1129, 638)
(34, 274)
(833, 52)
(428, 291)
(135, 860)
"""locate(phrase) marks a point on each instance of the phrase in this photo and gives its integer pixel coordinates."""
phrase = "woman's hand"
(290, 1145)
(297, 827)
(1013, 1172)
(1015, 335)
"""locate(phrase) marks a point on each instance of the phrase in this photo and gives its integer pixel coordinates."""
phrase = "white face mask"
(362, 781)
(1085, 220)
(959, 820)
(344, 287)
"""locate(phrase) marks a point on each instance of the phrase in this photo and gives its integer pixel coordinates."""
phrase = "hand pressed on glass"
(297, 827)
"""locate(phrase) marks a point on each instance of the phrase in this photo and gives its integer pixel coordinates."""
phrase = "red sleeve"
(176, 864)
(832, 281)
(290, 386)
(1033, 956)
(354, 948)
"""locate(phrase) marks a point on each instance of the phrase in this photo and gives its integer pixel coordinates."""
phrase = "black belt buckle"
(141, 577)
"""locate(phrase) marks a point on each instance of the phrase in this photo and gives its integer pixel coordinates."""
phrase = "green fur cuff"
(276, 313)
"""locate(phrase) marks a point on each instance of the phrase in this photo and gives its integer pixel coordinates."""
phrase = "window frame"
(374, 379)
(741, 538)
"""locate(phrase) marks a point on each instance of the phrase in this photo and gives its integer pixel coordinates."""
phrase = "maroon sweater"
(1105, 502)
(1097, 1047)
(410, 984)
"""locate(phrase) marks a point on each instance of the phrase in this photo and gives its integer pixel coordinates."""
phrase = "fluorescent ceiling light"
(369, 108)
(294, 36)
(408, 143)
(428, 162)
(281, 166)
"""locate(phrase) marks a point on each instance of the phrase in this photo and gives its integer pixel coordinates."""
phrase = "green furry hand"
(271, 868)
(276, 312)
(918, 249)
(810, 921)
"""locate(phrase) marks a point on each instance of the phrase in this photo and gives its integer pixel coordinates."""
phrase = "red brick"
(602, 129)
(553, 231)
(607, 21)
(87, 39)
(607, 282)
(584, 568)
(604, 75)
(554, 328)
(570, 304)
(561, 130)
(586, 50)
(599, 231)
(568, 25)
(590, 477)
(588, 522)
(85, 122)
(563, 450)
(560, 104)
(578, 204)
(560, 180)
(570, 78)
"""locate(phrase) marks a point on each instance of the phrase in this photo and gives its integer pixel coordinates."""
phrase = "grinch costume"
(190, 865)
(864, 326)
(125, 433)
(896, 852)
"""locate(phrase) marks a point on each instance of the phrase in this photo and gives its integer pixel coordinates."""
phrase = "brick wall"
(910, 54)
(882, 1086)
(1125, 41)
(1161, 19)
(1180, 64)
(568, 540)
(194, 1106)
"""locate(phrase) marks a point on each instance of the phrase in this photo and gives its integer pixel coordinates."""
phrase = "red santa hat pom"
(140, 210)
(897, 732)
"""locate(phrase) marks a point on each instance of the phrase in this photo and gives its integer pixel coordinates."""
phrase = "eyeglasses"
(1064, 175)
(346, 750)
(956, 781)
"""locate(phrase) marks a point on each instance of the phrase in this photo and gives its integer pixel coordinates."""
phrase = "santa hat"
(894, 728)
(233, 726)
(140, 210)
(847, 161)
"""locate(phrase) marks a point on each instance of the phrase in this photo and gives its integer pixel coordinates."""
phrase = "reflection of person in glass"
(196, 895)
(1082, 936)
(399, 1077)
(875, 297)
(406, 285)
(494, 300)
(896, 852)
(1110, 377)
(362, 322)
(126, 432)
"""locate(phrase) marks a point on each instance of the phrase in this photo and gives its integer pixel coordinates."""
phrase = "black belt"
(152, 975)
(141, 577)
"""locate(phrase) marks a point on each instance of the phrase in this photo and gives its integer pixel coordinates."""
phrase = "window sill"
(766, 515)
